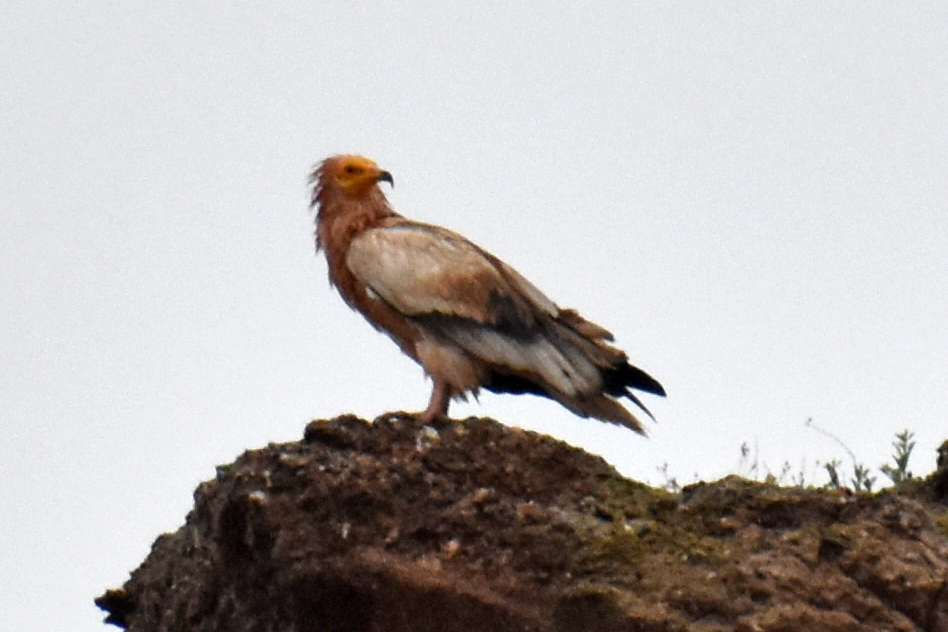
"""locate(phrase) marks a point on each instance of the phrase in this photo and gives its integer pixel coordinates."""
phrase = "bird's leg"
(438, 405)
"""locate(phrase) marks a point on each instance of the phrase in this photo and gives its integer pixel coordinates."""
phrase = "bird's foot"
(437, 412)
(436, 420)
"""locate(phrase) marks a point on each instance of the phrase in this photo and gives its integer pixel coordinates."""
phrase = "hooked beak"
(385, 176)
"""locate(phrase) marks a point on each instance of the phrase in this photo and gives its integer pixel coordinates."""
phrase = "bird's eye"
(352, 169)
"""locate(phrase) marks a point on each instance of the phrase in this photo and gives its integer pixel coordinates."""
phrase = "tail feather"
(556, 360)
(607, 409)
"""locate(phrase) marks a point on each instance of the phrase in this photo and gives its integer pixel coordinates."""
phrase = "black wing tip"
(622, 379)
(633, 377)
(659, 389)
(639, 403)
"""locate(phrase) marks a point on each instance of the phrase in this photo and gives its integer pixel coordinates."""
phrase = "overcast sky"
(752, 197)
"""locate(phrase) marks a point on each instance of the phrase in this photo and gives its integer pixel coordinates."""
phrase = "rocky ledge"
(387, 526)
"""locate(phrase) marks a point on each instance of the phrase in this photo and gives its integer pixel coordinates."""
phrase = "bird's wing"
(423, 270)
(449, 286)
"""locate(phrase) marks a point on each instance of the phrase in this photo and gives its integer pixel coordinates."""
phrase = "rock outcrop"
(387, 526)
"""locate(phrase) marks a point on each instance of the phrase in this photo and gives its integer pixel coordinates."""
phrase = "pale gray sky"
(751, 196)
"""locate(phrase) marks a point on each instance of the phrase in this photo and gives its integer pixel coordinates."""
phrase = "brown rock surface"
(386, 526)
